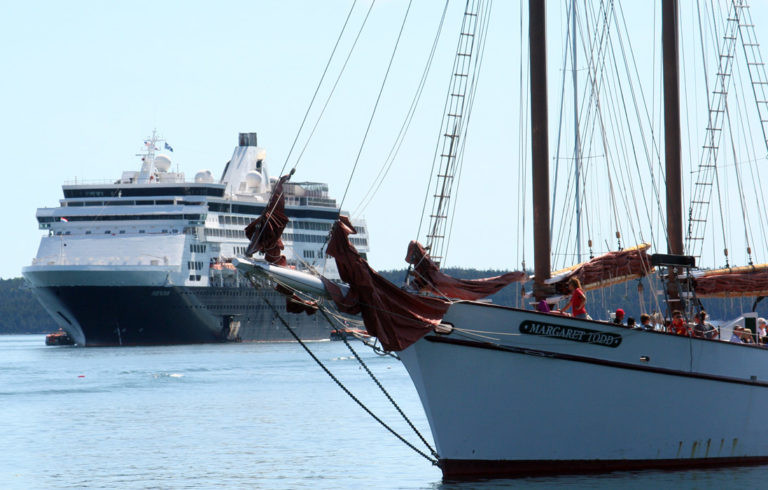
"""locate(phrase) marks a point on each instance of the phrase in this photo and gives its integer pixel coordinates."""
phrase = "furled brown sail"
(396, 317)
(265, 234)
(607, 269)
(735, 281)
(265, 231)
(427, 277)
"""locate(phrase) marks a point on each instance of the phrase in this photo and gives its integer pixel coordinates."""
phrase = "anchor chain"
(383, 390)
(349, 393)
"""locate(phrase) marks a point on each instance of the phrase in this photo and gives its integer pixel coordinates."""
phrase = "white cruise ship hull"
(135, 305)
(520, 392)
(148, 258)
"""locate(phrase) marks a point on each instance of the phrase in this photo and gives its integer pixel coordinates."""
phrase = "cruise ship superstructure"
(147, 259)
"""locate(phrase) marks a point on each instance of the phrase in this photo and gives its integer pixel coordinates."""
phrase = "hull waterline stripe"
(593, 360)
(463, 469)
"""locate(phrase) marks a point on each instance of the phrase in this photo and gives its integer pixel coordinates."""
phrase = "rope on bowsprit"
(383, 390)
(346, 390)
(372, 344)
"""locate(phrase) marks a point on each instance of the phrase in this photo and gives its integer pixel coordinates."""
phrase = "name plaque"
(574, 334)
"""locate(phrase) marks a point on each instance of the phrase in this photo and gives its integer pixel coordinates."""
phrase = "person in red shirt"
(618, 318)
(578, 302)
(678, 326)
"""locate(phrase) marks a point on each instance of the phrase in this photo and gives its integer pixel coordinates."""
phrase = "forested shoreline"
(21, 313)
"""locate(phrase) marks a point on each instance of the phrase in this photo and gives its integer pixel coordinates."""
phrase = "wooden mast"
(672, 128)
(539, 145)
(669, 40)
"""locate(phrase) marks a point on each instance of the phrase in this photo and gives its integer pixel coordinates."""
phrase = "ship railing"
(152, 261)
(310, 201)
(77, 181)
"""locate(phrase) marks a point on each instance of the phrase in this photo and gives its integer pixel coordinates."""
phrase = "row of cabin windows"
(293, 237)
(315, 226)
(156, 202)
(121, 232)
(299, 225)
(194, 277)
(235, 220)
(123, 217)
(221, 207)
(302, 237)
(197, 248)
(239, 250)
(195, 265)
(217, 191)
(225, 233)
(290, 237)
(250, 306)
(310, 225)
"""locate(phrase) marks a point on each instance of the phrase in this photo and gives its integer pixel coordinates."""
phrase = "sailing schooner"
(511, 391)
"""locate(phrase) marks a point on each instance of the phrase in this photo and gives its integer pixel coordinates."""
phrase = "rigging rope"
(327, 101)
(523, 167)
(393, 152)
(486, 16)
(268, 213)
(609, 112)
(450, 106)
(558, 138)
(716, 173)
(349, 393)
(385, 392)
(747, 136)
(322, 77)
(742, 200)
(378, 99)
(336, 82)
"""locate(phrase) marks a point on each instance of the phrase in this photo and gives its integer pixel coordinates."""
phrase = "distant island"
(21, 313)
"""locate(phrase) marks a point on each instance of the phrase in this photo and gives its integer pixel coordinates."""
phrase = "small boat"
(59, 337)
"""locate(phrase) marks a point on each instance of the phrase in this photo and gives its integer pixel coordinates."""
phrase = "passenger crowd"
(699, 327)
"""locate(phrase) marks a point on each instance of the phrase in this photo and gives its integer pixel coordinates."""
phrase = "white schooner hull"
(514, 392)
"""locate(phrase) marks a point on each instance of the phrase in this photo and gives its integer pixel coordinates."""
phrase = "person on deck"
(657, 320)
(631, 323)
(678, 326)
(736, 336)
(618, 319)
(578, 302)
(762, 330)
(747, 337)
(543, 306)
(702, 329)
(645, 322)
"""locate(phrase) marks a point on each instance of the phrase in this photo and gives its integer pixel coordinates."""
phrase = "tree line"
(20, 312)
(634, 297)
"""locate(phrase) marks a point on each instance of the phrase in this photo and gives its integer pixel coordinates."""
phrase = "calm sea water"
(232, 416)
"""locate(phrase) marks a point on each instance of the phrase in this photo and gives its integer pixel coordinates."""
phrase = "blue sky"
(85, 82)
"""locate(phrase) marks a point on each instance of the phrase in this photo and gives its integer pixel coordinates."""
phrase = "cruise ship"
(147, 259)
